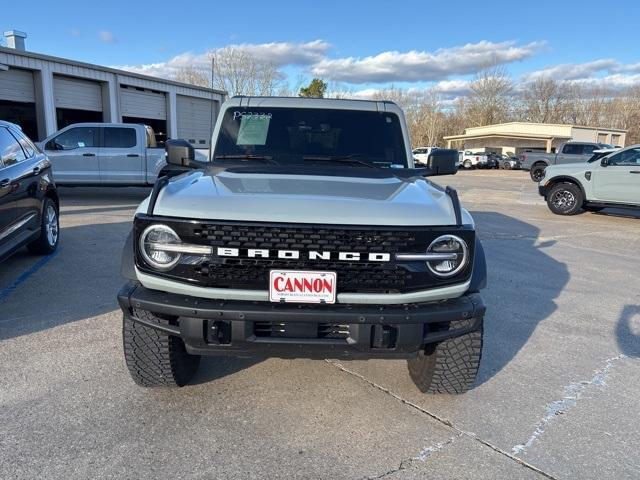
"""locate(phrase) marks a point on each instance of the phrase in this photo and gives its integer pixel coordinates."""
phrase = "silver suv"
(611, 178)
(308, 234)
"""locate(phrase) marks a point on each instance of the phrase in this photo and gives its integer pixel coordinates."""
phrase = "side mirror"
(442, 162)
(604, 162)
(180, 153)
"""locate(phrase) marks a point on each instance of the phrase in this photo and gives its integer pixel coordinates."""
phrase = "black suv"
(29, 202)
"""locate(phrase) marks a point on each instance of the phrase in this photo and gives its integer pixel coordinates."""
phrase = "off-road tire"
(537, 172)
(449, 366)
(565, 199)
(47, 242)
(154, 358)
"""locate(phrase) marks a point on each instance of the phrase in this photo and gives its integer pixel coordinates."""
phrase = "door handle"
(132, 155)
(36, 170)
(88, 154)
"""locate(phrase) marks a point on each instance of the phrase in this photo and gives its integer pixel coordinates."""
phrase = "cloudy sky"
(360, 45)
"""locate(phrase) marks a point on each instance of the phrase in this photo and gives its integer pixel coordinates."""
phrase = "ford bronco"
(309, 233)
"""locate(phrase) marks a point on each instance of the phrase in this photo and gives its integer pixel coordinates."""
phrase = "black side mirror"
(442, 162)
(604, 162)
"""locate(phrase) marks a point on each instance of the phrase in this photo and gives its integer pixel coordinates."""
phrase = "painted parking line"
(5, 292)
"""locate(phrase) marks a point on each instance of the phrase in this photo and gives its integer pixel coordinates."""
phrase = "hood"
(314, 199)
(566, 169)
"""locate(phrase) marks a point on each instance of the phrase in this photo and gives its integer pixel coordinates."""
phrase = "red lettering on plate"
(328, 285)
(276, 284)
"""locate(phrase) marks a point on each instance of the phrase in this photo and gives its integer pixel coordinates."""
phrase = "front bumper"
(542, 190)
(219, 327)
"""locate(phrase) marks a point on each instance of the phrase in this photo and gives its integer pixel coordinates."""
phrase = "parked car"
(473, 160)
(509, 163)
(421, 154)
(493, 161)
(612, 180)
(570, 152)
(104, 154)
(29, 204)
(314, 237)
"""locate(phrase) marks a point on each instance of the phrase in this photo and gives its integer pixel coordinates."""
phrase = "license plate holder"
(296, 286)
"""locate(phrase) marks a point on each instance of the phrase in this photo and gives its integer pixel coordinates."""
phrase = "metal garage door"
(77, 94)
(17, 86)
(142, 103)
(194, 120)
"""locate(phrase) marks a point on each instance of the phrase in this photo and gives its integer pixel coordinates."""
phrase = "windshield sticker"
(253, 128)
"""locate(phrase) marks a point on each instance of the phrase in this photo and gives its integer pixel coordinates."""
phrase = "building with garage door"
(43, 94)
(515, 137)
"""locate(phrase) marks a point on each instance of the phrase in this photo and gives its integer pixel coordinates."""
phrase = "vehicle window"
(79, 137)
(151, 138)
(293, 135)
(588, 149)
(573, 149)
(630, 158)
(10, 150)
(119, 137)
(28, 147)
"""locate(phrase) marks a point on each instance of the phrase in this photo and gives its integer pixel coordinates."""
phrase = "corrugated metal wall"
(194, 120)
(77, 94)
(17, 85)
(143, 104)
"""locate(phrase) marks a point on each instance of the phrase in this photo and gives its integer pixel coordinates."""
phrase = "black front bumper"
(218, 327)
(542, 190)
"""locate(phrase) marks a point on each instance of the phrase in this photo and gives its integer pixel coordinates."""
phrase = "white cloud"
(416, 66)
(278, 53)
(107, 37)
(604, 74)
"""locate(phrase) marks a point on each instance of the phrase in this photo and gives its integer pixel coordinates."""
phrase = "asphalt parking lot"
(558, 392)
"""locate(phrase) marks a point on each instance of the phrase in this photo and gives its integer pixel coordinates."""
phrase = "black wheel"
(537, 172)
(507, 165)
(468, 165)
(47, 242)
(155, 359)
(450, 366)
(565, 199)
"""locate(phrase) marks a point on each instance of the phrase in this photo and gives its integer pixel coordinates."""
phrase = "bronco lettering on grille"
(296, 255)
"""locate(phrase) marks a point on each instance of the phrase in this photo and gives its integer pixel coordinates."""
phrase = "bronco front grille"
(329, 331)
(352, 276)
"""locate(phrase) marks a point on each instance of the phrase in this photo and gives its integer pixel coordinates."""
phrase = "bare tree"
(544, 101)
(193, 75)
(240, 73)
(491, 95)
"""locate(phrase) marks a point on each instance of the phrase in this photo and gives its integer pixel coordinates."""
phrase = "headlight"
(453, 253)
(157, 247)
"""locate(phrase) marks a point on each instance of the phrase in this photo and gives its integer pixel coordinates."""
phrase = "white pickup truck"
(473, 160)
(104, 154)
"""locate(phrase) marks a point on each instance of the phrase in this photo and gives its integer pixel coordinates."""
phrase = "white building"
(515, 137)
(43, 94)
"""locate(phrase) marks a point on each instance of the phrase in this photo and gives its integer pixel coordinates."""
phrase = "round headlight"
(153, 247)
(458, 255)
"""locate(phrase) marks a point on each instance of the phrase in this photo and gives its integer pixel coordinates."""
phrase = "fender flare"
(479, 275)
(127, 263)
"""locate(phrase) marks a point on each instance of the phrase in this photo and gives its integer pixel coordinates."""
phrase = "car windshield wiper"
(339, 159)
(246, 156)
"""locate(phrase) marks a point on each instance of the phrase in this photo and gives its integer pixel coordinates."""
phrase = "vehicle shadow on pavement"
(214, 368)
(628, 339)
(81, 281)
(618, 212)
(523, 283)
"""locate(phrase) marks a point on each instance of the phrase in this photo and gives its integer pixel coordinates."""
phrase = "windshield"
(297, 135)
